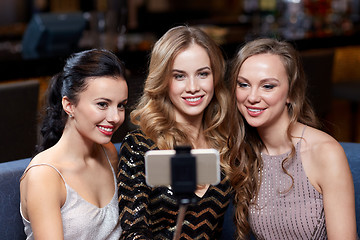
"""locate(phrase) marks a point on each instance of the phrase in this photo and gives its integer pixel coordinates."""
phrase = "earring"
(70, 116)
(290, 106)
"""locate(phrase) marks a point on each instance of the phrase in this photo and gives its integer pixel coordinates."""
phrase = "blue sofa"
(11, 226)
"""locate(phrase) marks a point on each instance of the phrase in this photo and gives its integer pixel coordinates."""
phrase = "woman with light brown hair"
(184, 103)
(291, 180)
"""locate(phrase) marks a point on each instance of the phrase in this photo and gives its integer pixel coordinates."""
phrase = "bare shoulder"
(41, 183)
(327, 169)
(322, 147)
(112, 154)
(323, 157)
(41, 170)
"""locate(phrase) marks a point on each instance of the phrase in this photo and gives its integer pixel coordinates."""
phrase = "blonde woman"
(184, 102)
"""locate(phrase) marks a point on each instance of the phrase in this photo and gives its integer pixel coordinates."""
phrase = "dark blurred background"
(36, 36)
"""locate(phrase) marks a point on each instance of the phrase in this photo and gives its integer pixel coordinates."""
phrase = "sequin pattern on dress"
(285, 212)
(151, 213)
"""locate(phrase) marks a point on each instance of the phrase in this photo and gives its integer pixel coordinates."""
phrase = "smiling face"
(100, 109)
(262, 91)
(191, 86)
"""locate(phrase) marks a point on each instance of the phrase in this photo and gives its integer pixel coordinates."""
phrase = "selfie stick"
(183, 177)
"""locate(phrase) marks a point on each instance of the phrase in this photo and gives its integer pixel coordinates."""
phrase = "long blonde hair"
(244, 143)
(154, 112)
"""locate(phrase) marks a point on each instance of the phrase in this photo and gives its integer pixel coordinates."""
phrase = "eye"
(102, 105)
(242, 84)
(268, 86)
(122, 106)
(204, 74)
(179, 76)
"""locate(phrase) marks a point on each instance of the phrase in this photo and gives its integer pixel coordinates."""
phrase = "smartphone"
(158, 166)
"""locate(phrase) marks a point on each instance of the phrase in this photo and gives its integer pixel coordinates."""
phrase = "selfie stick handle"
(179, 222)
(183, 174)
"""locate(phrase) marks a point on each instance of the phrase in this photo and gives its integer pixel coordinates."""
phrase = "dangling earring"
(289, 106)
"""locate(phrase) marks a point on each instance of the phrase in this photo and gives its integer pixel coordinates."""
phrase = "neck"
(76, 146)
(193, 125)
(195, 131)
(276, 141)
(275, 138)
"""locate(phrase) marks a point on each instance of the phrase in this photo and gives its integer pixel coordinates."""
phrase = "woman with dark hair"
(291, 180)
(69, 189)
(184, 103)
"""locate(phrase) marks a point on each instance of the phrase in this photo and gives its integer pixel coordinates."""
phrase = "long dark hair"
(71, 81)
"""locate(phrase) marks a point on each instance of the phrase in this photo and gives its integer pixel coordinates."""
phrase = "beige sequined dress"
(283, 214)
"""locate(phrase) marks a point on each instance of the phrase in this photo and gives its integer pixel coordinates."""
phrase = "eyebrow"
(241, 78)
(261, 81)
(103, 99)
(109, 100)
(200, 69)
(124, 101)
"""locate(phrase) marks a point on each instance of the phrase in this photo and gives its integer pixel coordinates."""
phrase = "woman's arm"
(133, 191)
(43, 193)
(335, 181)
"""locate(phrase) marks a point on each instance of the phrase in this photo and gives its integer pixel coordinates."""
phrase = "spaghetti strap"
(303, 131)
(42, 164)
(112, 169)
(107, 157)
(301, 138)
(49, 165)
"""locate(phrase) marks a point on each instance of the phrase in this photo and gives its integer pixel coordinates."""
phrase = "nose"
(115, 116)
(254, 96)
(192, 85)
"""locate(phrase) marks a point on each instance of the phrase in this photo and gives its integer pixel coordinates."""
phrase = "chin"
(255, 124)
(103, 140)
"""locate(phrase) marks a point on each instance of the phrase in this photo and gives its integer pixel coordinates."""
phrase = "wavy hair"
(244, 143)
(154, 112)
(70, 82)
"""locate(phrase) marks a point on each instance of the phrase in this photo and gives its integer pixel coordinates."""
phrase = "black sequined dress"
(151, 212)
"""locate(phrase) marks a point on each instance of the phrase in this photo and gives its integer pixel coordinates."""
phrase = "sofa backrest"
(11, 226)
(352, 151)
